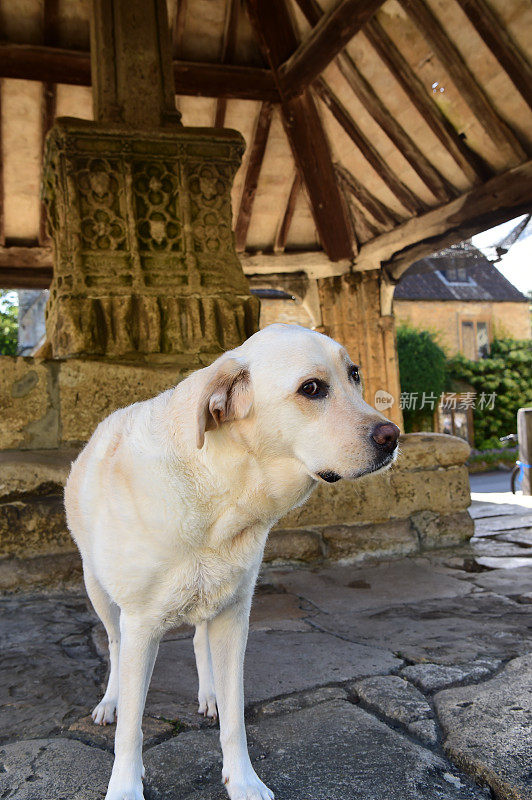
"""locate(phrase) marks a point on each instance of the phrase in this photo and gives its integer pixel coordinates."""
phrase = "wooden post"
(356, 311)
(524, 434)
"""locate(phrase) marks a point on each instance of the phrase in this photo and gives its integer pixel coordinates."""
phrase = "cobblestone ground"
(396, 681)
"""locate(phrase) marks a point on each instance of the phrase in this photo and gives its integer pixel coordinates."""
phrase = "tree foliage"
(422, 370)
(507, 373)
(8, 323)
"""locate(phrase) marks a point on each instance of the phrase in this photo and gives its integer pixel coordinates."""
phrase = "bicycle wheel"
(514, 480)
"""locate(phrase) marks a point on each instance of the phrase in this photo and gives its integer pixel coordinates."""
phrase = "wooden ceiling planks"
(430, 27)
(497, 39)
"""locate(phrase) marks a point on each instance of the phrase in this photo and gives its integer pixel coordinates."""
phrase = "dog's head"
(292, 392)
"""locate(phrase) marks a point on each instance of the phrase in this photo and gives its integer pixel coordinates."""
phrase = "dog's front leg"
(227, 638)
(138, 649)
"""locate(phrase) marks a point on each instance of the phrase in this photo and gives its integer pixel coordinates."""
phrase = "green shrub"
(507, 373)
(8, 323)
(422, 370)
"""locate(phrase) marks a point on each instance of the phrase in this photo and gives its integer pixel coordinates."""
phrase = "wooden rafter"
(2, 192)
(284, 228)
(275, 31)
(450, 57)
(496, 37)
(385, 216)
(435, 182)
(53, 65)
(471, 165)
(326, 40)
(501, 198)
(405, 195)
(228, 53)
(251, 181)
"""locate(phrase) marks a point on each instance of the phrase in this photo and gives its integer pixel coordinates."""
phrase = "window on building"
(456, 275)
(475, 339)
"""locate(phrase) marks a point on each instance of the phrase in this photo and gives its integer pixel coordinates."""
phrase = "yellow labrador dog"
(171, 502)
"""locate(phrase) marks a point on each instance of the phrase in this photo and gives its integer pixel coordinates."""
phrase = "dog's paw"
(126, 794)
(248, 787)
(207, 706)
(104, 713)
(124, 791)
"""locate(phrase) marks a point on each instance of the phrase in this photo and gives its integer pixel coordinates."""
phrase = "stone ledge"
(34, 472)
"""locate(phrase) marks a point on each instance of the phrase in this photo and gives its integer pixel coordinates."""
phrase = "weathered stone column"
(139, 210)
(357, 311)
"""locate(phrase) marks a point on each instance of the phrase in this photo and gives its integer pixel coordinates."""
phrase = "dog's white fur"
(171, 502)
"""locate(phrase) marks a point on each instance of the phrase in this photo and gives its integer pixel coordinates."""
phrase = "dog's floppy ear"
(226, 397)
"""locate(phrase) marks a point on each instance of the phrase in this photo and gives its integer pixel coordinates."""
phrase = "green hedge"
(422, 369)
(508, 373)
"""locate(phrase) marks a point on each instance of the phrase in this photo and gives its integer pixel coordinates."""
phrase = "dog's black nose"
(385, 436)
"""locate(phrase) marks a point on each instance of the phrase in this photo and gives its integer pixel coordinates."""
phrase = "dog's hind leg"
(109, 614)
(206, 691)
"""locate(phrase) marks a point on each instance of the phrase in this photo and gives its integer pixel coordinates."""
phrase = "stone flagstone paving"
(410, 679)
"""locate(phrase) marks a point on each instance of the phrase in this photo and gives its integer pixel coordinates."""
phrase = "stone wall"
(55, 403)
(510, 320)
(420, 504)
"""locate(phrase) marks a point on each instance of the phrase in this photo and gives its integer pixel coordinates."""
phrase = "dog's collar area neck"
(329, 477)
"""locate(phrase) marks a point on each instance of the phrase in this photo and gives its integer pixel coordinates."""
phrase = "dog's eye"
(354, 374)
(313, 388)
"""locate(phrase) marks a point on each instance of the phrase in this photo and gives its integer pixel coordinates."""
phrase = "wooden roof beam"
(496, 37)
(405, 195)
(378, 210)
(251, 181)
(54, 65)
(500, 199)
(284, 228)
(228, 54)
(2, 189)
(501, 135)
(473, 167)
(326, 40)
(274, 29)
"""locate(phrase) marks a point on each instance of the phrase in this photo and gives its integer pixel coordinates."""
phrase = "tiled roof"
(425, 280)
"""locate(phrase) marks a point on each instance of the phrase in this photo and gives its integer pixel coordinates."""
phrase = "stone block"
(442, 530)
(53, 769)
(292, 545)
(34, 472)
(28, 406)
(90, 390)
(444, 491)
(427, 450)
(488, 729)
(34, 527)
(393, 538)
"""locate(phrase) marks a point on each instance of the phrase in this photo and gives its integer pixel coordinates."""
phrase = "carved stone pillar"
(357, 311)
(139, 210)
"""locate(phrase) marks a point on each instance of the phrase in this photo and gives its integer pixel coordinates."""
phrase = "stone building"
(463, 299)
(161, 159)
